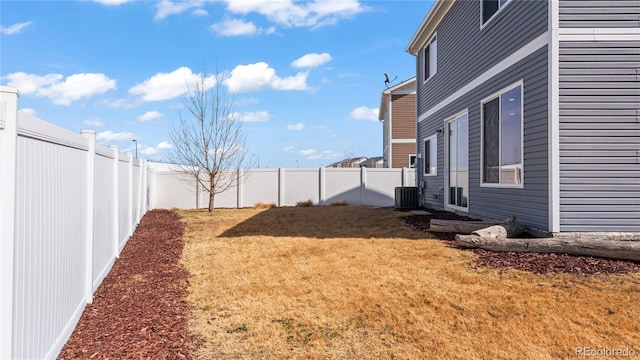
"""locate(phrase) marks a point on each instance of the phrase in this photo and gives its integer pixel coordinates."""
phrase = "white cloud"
(147, 150)
(29, 111)
(164, 145)
(112, 2)
(109, 135)
(152, 150)
(251, 116)
(298, 126)
(61, 92)
(30, 84)
(259, 76)
(364, 113)
(165, 86)
(200, 12)
(234, 27)
(94, 122)
(149, 115)
(313, 154)
(311, 60)
(121, 103)
(287, 148)
(237, 27)
(325, 154)
(15, 28)
(295, 14)
(78, 86)
(168, 7)
(307, 152)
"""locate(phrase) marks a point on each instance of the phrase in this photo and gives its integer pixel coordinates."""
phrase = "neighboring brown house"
(398, 116)
(348, 163)
(356, 162)
(372, 162)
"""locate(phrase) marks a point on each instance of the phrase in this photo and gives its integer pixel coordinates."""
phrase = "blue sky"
(307, 76)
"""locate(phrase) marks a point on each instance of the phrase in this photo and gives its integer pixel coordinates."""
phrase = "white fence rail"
(67, 207)
(284, 187)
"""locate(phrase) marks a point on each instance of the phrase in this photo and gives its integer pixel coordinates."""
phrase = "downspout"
(554, 116)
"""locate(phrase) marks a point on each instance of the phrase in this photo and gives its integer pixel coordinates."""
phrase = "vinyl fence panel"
(66, 207)
(227, 199)
(135, 192)
(50, 247)
(103, 217)
(379, 186)
(342, 185)
(172, 190)
(124, 176)
(259, 185)
(301, 185)
(8, 139)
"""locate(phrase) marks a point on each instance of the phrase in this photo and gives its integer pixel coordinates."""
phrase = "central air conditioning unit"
(406, 198)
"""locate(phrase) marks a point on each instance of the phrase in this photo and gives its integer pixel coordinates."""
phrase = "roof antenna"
(388, 82)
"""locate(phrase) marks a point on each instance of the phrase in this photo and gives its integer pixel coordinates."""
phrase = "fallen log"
(610, 249)
(457, 226)
(506, 229)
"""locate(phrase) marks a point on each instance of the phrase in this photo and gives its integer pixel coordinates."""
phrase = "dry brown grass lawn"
(353, 283)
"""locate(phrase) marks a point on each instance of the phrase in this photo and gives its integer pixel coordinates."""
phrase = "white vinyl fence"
(284, 187)
(68, 205)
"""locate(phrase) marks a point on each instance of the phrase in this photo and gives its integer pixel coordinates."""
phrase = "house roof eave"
(428, 25)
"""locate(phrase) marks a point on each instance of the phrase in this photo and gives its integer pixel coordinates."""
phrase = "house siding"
(529, 204)
(403, 125)
(386, 139)
(599, 13)
(462, 45)
(600, 134)
(400, 154)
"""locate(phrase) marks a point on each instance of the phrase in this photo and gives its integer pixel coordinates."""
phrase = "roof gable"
(405, 87)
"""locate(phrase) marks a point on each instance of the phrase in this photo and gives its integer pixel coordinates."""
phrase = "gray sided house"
(531, 108)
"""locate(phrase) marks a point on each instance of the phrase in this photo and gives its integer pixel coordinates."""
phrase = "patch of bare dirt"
(140, 309)
(533, 262)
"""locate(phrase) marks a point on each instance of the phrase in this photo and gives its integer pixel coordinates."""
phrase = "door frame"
(447, 166)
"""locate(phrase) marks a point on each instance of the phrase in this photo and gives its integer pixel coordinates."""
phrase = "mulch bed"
(533, 262)
(140, 309)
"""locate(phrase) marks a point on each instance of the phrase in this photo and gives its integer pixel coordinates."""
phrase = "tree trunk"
(457, 226)
(611, 249)
(211, 196)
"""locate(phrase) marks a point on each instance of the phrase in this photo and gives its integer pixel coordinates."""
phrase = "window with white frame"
(431, 58)
(490, 8)
(502, 138)
(412, 161)
(430, 156)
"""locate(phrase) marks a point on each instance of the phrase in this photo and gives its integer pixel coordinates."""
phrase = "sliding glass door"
(458, 162)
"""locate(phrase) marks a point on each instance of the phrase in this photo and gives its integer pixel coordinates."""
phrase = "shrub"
(339, 203)
(307, 203)
(263, 205)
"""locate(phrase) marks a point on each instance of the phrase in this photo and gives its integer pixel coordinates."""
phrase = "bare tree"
(208, 140)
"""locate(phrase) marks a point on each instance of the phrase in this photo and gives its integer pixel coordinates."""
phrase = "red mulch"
(533, 262)
(140, 309)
